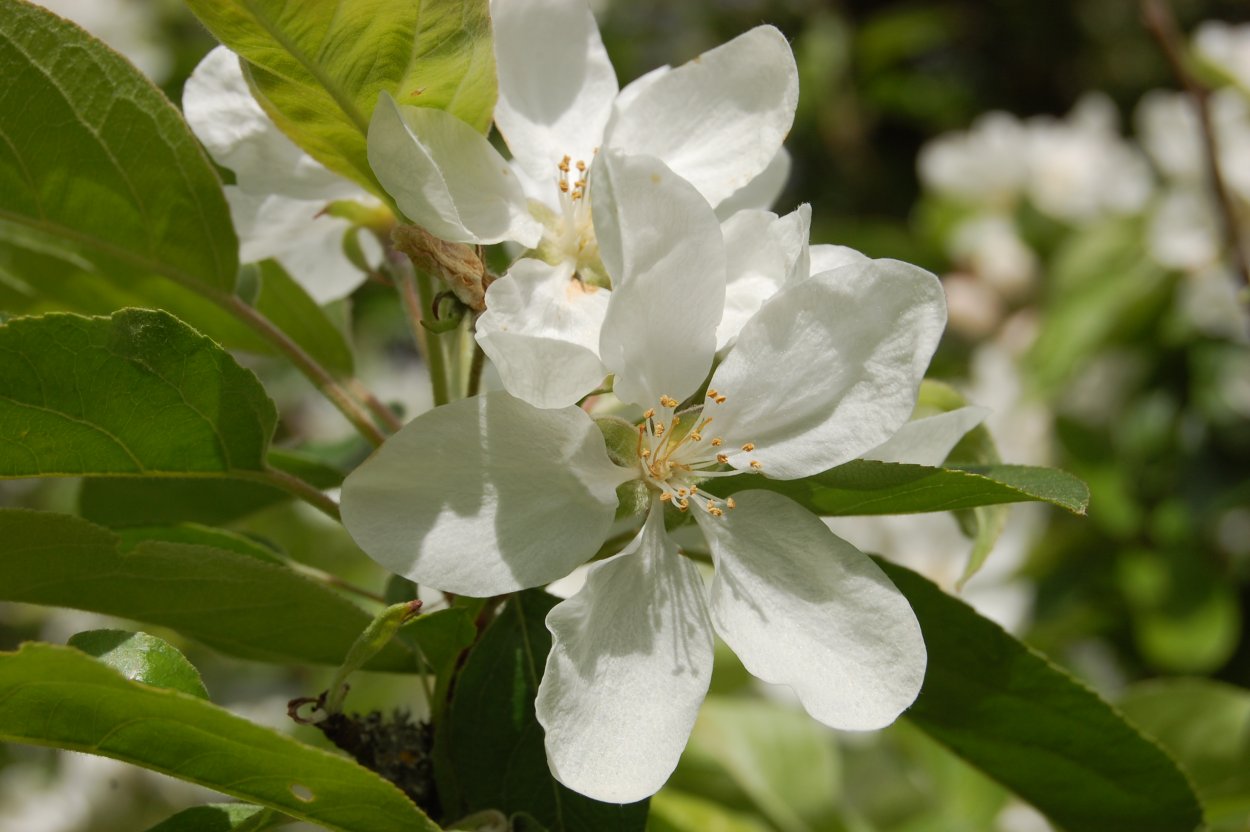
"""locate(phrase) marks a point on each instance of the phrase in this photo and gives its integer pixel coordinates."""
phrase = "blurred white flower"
(281, 194)
(990, 247)
(984, 166)
(132, 27)
(1227, 48)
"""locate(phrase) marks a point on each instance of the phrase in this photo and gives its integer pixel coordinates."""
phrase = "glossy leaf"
(221, 817)
(142, 658)
(869, 487)
(60, 697)
(236, 603)
(494, 744)
(95, 162)
(139, 393)
(1011, 713)
(317, 68)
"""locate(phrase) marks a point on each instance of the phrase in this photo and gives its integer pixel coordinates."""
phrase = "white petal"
(308, 243)
(762, 191)
(556, 84)
(541, 330)
(239, 136)
(829, 367)
(630, 662)
(825, 258)
(662, 247)
(718, 120)
(446, 177)
(804, 608)
(484, 496)
(762, 253)
(928, 440)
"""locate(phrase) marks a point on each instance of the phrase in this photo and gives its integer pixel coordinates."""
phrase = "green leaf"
(287, 305)
(317, 68)
(96, 163)
(139, 393)
(221, 817)
(440, 636)
(675, 811)
(236, 603)
(142, 658)
(1008, 711)
(787, 771)
(196, 535)
(60, 697)
(1206, 725)
(869, 487)
(493, 742)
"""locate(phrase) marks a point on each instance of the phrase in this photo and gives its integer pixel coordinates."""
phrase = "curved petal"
(446, 177)
(541, 330)
(630, 662)
(718, 120)
(804, 608)
(662, 247)
(929, 440)
(484, 496)
(826, 258)
(554, 100)
(762, 191)
(239, 136)
(762, 253)
(308, 243)
(829, 367)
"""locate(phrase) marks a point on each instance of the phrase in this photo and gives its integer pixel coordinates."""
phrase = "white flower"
(1227, 48)
(490, 495)
(281, 193)
(984, 166)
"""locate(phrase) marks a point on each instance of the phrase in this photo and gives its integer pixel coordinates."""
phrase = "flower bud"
(456, 264)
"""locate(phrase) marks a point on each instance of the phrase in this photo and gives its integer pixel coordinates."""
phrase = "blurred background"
(1042, 159)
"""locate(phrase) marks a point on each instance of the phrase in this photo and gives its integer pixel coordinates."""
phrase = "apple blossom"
(491, 494)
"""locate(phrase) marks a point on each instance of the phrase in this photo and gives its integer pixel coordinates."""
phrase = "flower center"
(571, 232)
(676, 452)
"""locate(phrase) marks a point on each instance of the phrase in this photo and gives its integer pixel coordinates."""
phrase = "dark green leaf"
(142, 658)
(221, 817)
(235, 603)
(94, 160)
(440, 636)
(60, 697)
(493, 742)
(318, 68)
(1008, 711)
(285, 303)
(196, 535)
(139, 393)
(868, 487)
(161, 501)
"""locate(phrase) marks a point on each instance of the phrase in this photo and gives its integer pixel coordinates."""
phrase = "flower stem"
(417, 294)
(338, 395)
(379, 409)
(475, 371)
(300, 488)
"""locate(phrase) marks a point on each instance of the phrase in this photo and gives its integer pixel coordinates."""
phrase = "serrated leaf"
(142, 658)
(869, 487)
(60, 697)
(94, 161)
(287, 305)
(139, 393)
(1012, 714)
(493, 742)
(317, 68)
(235, 603)
(222, 817)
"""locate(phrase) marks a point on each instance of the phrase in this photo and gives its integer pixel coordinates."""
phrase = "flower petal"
(662, 247)
(630, 663)
(446, 177)
(554, 100)
(308, 243)
(718, 120)
(928, 440)
(825, 258)
(804, 608)
(762, 191)
(484, 496)
(238, 135)
(762, 253)
(829, 367)
(541, 330)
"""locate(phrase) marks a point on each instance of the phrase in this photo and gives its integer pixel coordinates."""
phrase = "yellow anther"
(576, 195)
(714, 511)
(659, 429)
(581, 165)
(665, 497)
(729, 503)
(694, 489)
(668, 401)
(696, 437)
(717, 441)
(646, 452)
(722, 459)
(756, 465)
(711, 394)
(719, 399)
(564, 186)
(683, 504)
(650, 414)
(750, 446)
(564, 164)
(676, 420)
(681, 492)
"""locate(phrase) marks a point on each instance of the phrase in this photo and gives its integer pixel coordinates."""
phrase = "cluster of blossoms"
(732, 349)
(1080, 170)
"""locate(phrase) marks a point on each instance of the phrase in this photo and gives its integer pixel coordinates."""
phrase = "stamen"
(756, 465)
(668, 401)
(650, 414)
(722, 459)
(564, 164)
(581, 166)
(729, 503)
(712, 394)
(717, 442)
(683, 504)
(696, 437)
(659, 429)
(748, 447)
(719, 399)
(666, 496)
(564, 187)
